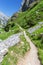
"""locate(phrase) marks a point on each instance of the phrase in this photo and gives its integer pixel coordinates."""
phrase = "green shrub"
(42, 40)
(41, 55)
(6, 28)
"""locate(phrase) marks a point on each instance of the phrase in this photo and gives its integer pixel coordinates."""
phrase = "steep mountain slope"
(3, 19)
(26, 4)
(30, 18)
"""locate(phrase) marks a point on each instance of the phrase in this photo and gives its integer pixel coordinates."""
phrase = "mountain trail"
(31, 57)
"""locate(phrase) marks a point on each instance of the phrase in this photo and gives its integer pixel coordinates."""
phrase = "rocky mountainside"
(3, 19)
(26, 4)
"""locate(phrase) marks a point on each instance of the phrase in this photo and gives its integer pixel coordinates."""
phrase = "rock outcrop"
(11, 41)
(14, 16)
(26, 4)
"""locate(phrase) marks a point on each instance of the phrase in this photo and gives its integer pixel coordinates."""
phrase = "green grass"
(22, 47)
(38, 31)
(38, 43)
(12, 31)
(24, 18)
(31, 15)
(41, 55)
(1, 29)
(16, 52)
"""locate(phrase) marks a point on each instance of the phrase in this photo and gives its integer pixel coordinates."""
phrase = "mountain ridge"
(3, 18)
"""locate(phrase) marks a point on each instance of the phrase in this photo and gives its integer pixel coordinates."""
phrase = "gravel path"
(31, 57)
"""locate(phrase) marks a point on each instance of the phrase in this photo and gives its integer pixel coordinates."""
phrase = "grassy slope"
(38, 43)
(12, 31)
(16, 52)
(35, 39)
(31, 15)
(38, 31)
(12, 59)
(24, 18)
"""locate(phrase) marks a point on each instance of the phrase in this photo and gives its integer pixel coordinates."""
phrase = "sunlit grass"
(16, 52)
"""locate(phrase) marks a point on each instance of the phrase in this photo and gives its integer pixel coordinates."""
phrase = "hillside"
(35, 15)
(30, 17)
(22, 37)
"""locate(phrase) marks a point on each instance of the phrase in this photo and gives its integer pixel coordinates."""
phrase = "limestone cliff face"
(25, 4)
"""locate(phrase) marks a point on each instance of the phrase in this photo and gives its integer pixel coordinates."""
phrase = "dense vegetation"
(9, 31)
(30, 18)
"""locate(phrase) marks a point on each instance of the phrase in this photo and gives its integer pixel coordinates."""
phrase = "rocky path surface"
(31, 57)
(11, 41)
